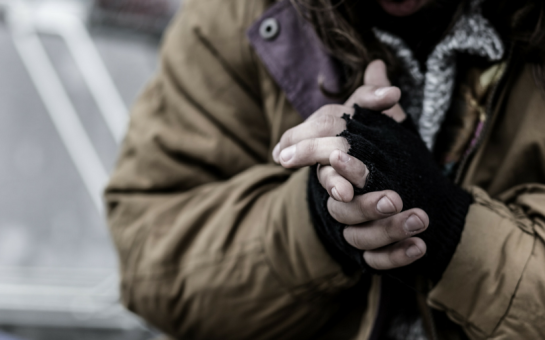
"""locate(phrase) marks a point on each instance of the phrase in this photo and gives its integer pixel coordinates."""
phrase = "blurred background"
(69, 71)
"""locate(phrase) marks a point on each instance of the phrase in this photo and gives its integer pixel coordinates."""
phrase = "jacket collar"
(294, 57)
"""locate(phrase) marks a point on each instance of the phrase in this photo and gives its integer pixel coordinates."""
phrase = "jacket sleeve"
(215, 241)
(494, 286)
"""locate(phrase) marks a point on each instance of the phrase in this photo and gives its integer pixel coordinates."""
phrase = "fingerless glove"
(398, 160)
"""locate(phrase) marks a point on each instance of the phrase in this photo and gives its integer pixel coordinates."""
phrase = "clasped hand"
(375, 221)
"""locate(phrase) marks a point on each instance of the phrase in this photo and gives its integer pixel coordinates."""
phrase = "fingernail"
(343, 157)
(413, 224)
(287, 153)
(275, 152)
(413, 251)
(382, 91)
(335, 194)
(385, 206)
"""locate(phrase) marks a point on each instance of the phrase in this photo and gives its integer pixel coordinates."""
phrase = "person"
(273, 182)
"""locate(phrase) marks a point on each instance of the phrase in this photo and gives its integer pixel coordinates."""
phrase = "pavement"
(58, 268)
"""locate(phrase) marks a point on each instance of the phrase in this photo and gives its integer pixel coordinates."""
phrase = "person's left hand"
(315, 140)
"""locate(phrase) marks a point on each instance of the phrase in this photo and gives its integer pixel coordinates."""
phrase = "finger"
(380, 233)
(336, 185)
(376, 74)
(396, 113)
(369, 207)
(349, 167)
(374, 97)
(396, 255)
(326, 122)
(382, 99)
(311, 151)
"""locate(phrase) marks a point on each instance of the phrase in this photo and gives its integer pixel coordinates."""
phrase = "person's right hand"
(376, 225)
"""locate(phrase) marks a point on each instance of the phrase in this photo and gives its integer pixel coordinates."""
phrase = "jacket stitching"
(228, 69)
(228, 133)
(500, 321)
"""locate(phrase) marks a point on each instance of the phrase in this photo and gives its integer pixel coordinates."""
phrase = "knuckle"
(342, 167)
(329, 179)
(362, 175)
(362, 170)
(360, 91)
(325, 125)
(372, 261)
(334, 109)
(311, 146)
(394, 260)
(332, 209)
(363, 206)
(353, 237)
(362, 242)
(287, 138)
(387, 233)
(328, 110)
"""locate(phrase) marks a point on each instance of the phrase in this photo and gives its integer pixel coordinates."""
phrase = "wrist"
(447, 224)
(330, 231)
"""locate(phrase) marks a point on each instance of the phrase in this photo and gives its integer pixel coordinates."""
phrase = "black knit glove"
(398, 160)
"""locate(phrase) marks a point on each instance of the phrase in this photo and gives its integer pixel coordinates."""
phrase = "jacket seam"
(500, 321)
(226, 66)
(462, 320)
(490, 206)
(471, 325)
(169, 270)
(226, 131)
(291, 289)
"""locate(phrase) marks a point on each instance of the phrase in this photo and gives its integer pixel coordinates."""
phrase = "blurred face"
(403, 8)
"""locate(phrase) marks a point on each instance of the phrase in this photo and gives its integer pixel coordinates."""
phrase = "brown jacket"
(215, 241)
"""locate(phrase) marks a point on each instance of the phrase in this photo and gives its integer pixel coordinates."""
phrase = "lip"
(401, 8)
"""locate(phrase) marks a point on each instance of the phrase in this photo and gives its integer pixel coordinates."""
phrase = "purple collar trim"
(294, 57)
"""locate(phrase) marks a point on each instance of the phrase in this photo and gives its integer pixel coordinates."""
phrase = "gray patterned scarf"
(427, 97)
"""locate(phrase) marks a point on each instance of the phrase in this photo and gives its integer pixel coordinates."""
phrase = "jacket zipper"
(485, 120)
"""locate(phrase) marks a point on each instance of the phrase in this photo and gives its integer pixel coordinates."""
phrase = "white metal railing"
(62, 297)
(65, 297)
(25, 20)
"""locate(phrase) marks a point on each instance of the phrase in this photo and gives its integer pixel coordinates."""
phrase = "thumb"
(376, 74)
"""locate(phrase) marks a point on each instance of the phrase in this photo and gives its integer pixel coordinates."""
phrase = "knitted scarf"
(427, 96)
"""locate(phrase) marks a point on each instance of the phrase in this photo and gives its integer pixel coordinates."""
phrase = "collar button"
(269, 29)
